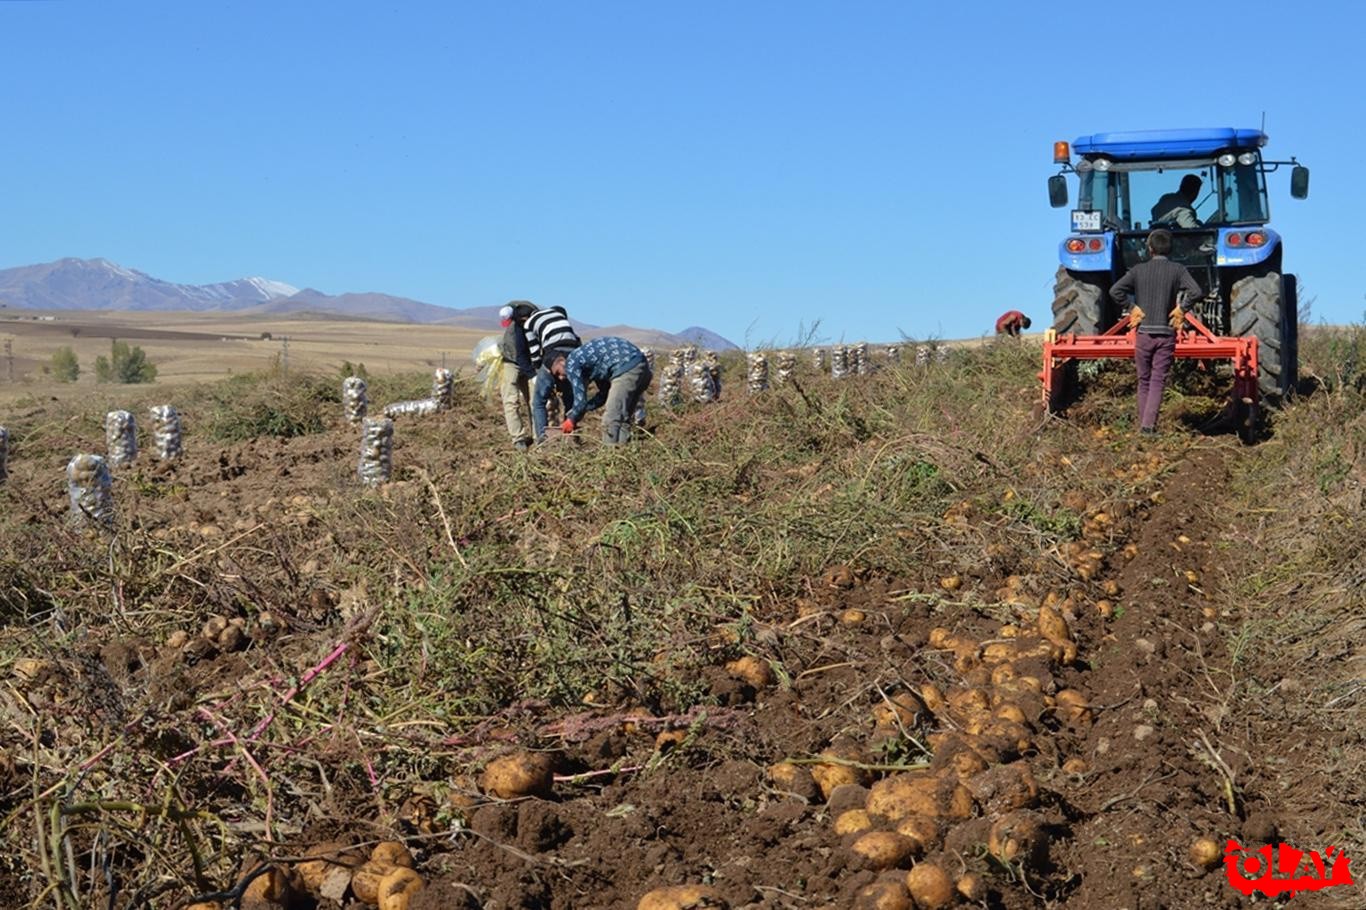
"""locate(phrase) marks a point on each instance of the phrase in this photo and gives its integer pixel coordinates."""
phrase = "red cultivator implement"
(1194, 341)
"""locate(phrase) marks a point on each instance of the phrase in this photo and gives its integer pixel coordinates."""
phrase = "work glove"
(1177, 318)
(567, 427)
(1135, 317)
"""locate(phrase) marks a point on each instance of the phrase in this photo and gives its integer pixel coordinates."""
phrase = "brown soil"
(1168, 757)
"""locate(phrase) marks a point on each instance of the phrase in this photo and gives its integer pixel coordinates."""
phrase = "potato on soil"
(683, 897)
(972, 888)
(326, 856)
(969, 702)
(883, 849)
(1072, 708)
(670, 739)
(1206, 853)
(900, 795)
(1076, 766)
(366, 880)
(393, 853)
(884, 894)
(933, 698)
(519, 774)
(751, 670)
(930, 887)
(397, 888)
(846, 797)
(1019, 836)
(853, 821)
(831, 774)
(792, 778)
(1004, 788)
(921, 829)
(274, 886)
(897, 711)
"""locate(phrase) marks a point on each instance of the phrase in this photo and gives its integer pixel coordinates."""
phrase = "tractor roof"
(1168, 143)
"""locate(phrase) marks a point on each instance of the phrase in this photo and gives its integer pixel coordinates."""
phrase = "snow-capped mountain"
(98, 284)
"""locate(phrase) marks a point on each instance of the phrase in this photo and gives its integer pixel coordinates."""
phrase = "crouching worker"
(1011, 323)
(621, 373)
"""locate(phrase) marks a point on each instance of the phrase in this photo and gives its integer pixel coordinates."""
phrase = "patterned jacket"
(600, 361)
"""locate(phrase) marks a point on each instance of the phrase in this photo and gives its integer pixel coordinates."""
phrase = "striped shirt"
(600, 360)
(547, 330)
(1152, 286)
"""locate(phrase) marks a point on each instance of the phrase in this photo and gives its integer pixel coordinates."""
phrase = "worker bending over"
(622, 375)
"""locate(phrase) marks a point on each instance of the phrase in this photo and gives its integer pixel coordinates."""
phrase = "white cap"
(505, 313)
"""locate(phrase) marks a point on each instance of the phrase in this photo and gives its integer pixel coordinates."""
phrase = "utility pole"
(443, 360)
(9, 357)
(284, 355)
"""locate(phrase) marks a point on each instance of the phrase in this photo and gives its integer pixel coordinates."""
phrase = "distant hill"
(706, 339)
(384, 307)
(98, 284)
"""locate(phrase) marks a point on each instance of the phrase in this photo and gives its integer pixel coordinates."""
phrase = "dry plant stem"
(589, 775)
(863, 766)
(251, 760)
(1216, 761)
(312, 674)
(445, 522)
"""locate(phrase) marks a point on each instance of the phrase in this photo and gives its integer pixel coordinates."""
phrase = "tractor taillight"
(1256, 238)
(1095, 245)
(1076, 245)
(1062, 153)
(1235, 239)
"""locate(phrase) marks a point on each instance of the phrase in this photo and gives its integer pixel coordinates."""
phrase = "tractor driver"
(1178, 208)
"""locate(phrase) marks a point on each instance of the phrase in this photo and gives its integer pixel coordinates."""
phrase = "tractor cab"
(1209, 187)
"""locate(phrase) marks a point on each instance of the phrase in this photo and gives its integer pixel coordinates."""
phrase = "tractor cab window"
(1243, 189)
(1150, 190)
(1127, 193)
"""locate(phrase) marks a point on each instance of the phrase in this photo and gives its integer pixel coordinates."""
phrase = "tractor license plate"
(1085, 221)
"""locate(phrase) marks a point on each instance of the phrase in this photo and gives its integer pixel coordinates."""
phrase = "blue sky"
(748, 166)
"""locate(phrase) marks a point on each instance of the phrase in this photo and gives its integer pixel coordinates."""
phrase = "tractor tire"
(1079, 303)
(1266, 306)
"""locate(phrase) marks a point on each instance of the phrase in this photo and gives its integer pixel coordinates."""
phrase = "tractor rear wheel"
(1079, 302)
(1267, 306)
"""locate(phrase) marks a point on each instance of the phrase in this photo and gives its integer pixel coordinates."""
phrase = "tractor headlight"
(1083, 166)
(1101, 164)
(1227, 159)
(1247, 158)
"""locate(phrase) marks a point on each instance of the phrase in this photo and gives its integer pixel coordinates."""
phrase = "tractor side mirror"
(1299, 182)
(1057, 190)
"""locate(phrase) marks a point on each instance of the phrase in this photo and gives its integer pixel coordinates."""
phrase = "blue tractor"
(1209, 187)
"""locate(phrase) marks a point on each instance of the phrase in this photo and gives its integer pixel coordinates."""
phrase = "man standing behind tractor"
(622, 375)
(1011, 323)
(548, 332)
(1153, 290)
(516, 373)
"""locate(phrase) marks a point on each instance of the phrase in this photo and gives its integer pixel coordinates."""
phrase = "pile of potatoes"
(981, 730)
(219, 635)
(331, 875)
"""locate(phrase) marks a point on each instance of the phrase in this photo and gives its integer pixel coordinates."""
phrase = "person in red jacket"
(1011, 323)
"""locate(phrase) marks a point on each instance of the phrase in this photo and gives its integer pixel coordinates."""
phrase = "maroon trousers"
(1153, 356)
